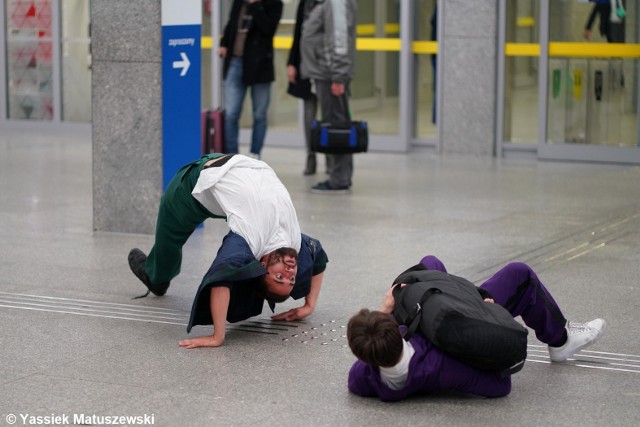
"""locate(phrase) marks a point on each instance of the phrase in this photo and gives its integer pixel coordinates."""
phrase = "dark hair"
(268, 295)
(374, 338)
(278, 255)
(274, 258)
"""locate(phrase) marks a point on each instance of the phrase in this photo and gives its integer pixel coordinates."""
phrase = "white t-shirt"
(395, 377)
(257, 205)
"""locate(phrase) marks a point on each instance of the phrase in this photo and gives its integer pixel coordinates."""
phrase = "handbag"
(300, 89)
(339, 138)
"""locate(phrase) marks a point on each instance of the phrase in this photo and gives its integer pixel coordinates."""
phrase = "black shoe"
(326, 187)
(137, 258)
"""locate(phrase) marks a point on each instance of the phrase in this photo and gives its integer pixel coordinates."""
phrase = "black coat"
(257, 64)
(613, 31)
(302, 87)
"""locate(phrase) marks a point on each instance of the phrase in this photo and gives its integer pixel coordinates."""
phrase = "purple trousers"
(517, 288)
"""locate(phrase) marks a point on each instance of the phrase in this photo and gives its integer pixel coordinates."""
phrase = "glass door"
(375, 87)
(425, 49)
(591, 69)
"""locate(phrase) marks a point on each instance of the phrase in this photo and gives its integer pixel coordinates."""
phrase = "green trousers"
(178, 217)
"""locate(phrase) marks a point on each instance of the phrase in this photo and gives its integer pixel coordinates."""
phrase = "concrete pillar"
(127, 114)
(468, 50)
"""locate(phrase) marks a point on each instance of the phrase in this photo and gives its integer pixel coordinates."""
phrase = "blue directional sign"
(181, 82)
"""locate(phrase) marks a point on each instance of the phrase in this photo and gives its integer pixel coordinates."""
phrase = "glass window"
(375, 87)
(521, 72)
(76, 61)
(593, 96)
(426, 64)
(29, 59)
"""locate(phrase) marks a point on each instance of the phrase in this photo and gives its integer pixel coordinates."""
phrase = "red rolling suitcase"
(213, 131)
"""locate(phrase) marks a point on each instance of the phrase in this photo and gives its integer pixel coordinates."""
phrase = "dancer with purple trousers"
(392, 369)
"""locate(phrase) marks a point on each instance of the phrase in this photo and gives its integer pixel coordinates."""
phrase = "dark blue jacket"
(236, 268)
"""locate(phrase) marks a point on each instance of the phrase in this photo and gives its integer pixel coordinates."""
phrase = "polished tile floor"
(75, 343)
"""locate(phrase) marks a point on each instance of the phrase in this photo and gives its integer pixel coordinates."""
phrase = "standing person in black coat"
(247, 49)
(301, 88)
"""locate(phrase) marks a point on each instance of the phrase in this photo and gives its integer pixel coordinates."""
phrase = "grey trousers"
(335, 109)
(310, 110)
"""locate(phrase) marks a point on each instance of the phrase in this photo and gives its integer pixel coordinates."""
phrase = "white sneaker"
(579, 336)
(254, 156)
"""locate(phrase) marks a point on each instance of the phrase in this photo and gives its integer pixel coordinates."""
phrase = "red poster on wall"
(29, 55)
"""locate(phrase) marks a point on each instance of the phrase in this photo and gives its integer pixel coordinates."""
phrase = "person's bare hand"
(294, 314)
(337, 89)
(489, 300)
(389, 303)
(222, 52)
(291, 73)
(206, 341)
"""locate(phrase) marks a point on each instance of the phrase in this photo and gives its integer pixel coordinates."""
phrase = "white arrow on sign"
(184, 64)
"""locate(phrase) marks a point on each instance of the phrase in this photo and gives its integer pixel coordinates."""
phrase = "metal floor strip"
(150, 317)
(92, 309)
(81, 301)
(335, 334)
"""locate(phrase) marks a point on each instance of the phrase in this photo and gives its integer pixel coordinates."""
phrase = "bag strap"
(414, 317)
(399, 312)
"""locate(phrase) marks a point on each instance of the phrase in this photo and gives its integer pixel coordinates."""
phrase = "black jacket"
(302, 87)
(237, 268)
(257, 64)
(613, 31)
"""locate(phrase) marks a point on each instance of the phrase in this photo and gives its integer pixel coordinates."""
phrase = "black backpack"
(451, 313)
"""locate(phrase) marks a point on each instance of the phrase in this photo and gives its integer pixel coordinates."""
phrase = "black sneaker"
(326, 187)
(137, 259)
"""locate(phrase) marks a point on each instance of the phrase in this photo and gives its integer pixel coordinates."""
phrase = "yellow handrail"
(556, 49)
(576, 50)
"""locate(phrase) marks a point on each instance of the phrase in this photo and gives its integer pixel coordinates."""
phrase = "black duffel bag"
(339, 138)
(451, 313)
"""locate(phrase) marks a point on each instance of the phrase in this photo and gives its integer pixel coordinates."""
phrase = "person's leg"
(517, 288)
(434, 66)
(335, 109)
(260, 97)
(178, 216)
(234, 92)
(310, 106)
(341, 164)
(165, 258)
(341, 170)
(433, 263)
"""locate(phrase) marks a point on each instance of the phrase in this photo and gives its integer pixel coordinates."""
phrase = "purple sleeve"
(433, 263)
(360, 380)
